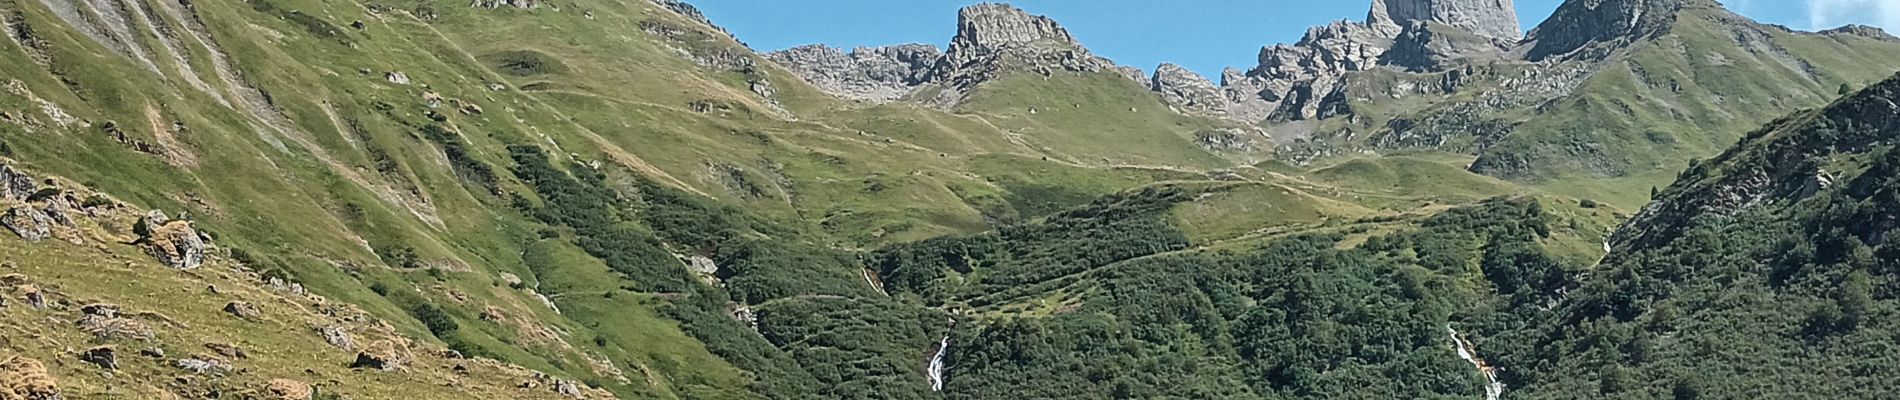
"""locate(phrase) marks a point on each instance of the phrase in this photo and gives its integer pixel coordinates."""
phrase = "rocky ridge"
(1188, 92)
(1308, 79)
(1785, 162)
(991, 38)
(866, 73)
(1592, 28)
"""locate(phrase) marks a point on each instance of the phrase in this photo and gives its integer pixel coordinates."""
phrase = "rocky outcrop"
(243, 310)
(385, 356)
(1588, 28)
(1863, 31)
(1428, 47)
(1309, 79)
(103, 322)
(991, 39)
(1487, 18)
(174, 243)
(1228, 139)
(204, 366)
(687, 10)
(560, 386)
(102, 356)
(1188, 92)
(1305, 80)
(33, 295)
(15, 184)
(30, 223)
(494, 4)
(337, 337)
(866, 73)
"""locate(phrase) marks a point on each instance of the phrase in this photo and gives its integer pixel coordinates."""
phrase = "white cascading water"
(936, 365)
(1493, 389)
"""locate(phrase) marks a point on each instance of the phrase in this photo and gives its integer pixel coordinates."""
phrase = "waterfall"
(936, 365)
(1493, 389)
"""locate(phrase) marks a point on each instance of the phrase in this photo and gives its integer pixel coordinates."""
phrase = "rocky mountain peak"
(1578, 25)
(993, 26)
(991, 39)
(1488, 18)
(1188, 92)
(996, 38)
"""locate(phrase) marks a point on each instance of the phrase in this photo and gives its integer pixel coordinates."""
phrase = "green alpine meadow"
(619, 199)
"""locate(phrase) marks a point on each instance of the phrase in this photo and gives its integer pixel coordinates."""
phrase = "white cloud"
(1825, 14)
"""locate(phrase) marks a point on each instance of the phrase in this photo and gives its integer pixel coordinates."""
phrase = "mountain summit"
(990, 39)
(1488, 18)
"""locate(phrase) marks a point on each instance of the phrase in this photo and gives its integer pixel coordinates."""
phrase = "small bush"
(525, 63)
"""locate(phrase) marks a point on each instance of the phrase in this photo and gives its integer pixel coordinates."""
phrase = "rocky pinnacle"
(992, 26)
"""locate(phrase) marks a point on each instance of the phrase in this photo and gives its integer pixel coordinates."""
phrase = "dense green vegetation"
(819, 329)
(1791, 297)
(576, 191)
(1016, 258)
(1295, 318)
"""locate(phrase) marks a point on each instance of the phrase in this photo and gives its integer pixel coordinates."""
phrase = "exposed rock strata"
(1187, 92)
(869, 73)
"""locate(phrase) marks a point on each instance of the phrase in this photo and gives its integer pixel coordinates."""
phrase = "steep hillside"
(1767, 271)
(1605, 99)
(1030, 79)
(106, 301)
(1682, 92)
(617, 195)
(576, 199)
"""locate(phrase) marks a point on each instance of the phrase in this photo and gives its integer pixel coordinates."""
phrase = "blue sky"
(1204, 35)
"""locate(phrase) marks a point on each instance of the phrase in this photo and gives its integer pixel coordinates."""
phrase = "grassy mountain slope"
(1765, 271)
(1681, 95)
(1093, 118)
(620, 196)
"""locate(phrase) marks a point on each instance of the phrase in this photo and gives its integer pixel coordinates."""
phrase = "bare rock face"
(337, 337)
(866, 73)
(30, 223)
(174, 243)
(1188, 92)
(1862, 30)
(687, 10)
(104, 323)
(204, 366)
(1487, 18)
(993, 38)
(1305, 80)
(15, 185)
(494, 4)
(1429, 46)
(1579, 26)
(993, 27)
(1308, 79)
